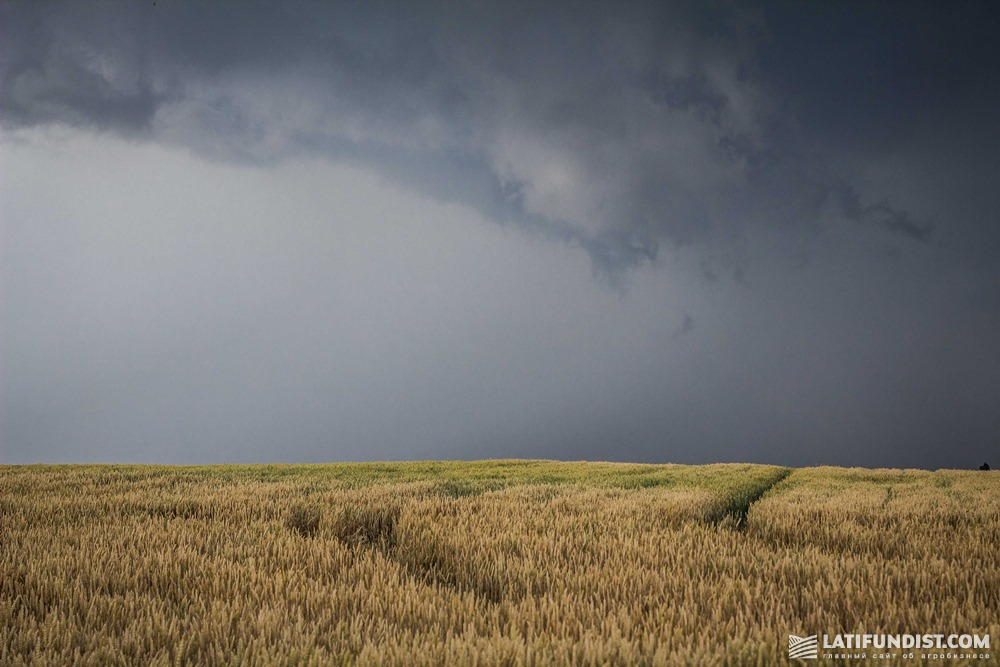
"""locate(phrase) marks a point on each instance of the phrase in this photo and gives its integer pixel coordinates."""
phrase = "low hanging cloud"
(612, 131)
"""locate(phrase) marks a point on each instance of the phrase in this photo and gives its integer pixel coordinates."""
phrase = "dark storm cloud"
(908, 88)
(49, 73)
(614, 131)
(252, 231)
(879, 74)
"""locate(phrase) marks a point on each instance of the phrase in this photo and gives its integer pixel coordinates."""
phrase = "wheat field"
(486, 563)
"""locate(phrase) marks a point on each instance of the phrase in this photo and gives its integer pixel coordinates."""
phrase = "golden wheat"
(487, 563)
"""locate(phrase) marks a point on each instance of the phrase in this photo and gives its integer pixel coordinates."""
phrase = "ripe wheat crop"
(498, 562)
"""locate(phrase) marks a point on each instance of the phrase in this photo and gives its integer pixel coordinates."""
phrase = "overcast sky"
(664, 232)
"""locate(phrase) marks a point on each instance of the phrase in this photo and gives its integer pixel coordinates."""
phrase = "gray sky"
(319, 232)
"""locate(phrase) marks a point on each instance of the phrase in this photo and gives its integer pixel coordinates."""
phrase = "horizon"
(289, 464)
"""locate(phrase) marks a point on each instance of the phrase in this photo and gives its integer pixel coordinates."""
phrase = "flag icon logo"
(803, 648)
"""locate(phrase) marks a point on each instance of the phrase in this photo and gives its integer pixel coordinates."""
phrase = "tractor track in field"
(735, 513)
